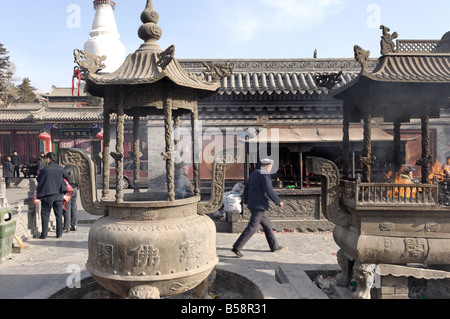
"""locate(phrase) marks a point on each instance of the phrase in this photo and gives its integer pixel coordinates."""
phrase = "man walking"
(50, 190)
(8, 171)
(257, 194)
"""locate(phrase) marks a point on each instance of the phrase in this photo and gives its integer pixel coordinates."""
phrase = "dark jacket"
(8, 169)
(259, 191)
(15, 159)
(51, 181)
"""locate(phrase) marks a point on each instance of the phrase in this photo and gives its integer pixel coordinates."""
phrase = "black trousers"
(17, 171)
(8, 182)
(47, 203)
(257, 218)
(71, 212)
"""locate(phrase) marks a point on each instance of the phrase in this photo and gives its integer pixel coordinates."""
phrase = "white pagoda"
(104, 36)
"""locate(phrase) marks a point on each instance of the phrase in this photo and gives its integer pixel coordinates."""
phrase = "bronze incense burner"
(148, 244)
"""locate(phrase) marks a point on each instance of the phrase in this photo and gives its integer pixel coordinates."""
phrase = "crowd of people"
(11, 167)
(57, 189)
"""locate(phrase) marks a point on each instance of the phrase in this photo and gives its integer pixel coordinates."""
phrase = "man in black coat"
(8, 171)
(15, 159)
(257, 194)
(70, 214)
(50, 190)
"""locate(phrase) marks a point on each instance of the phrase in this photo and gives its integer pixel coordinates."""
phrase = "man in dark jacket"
(70, 214)
(8, 171)
(257, 194)
(15, 159)
(50, 190)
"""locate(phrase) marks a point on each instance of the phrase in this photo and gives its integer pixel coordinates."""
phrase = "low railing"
(366, 194)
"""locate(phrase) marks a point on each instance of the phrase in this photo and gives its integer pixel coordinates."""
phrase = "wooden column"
(398, 161)
(346, 142)
(367, 159)
(119, 154)
(105, 154)
(170, 164)
(196, 149)
(426, 159)
(136, 153)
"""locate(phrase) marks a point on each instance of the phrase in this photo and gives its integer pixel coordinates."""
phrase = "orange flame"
(439, 171)
(400, 192)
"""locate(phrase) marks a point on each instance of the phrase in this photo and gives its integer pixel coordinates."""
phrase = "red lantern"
(100, 136)
(45, 137)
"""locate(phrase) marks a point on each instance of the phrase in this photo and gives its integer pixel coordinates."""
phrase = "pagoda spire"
(104, 36)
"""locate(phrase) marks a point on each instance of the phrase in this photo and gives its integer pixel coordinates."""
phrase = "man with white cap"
(257, 194)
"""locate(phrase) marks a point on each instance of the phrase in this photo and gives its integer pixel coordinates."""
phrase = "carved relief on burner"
(105, 254)
(388, 244)
(190, 250)
(387, 227)
(145, 228)
(145, 255)
(432, 228)
(293, 208)
(415, 247)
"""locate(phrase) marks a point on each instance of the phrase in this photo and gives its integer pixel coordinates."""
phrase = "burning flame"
(403, 191)
(439, 171)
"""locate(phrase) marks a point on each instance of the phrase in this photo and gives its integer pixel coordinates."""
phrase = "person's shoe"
(237, 252)
(65, 230)
(278, 249)
(73, 228)
(59, 236)
(42, 237)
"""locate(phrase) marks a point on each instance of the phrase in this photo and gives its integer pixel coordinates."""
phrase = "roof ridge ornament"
(362, 56)
(328, 80)
(387, 41)
(218, 71)
(166, 57)
(89, 63)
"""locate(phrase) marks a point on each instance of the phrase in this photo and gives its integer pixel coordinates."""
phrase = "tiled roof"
(47, 114)
(284, 76)
(69, 114)
(413, 68)
(142, 67)
(275, 83)
(250, 78)
(64, 92)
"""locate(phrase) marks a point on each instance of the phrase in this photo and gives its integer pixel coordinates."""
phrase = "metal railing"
(365, 194)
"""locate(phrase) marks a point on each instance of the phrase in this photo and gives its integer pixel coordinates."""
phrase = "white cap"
(267, 161)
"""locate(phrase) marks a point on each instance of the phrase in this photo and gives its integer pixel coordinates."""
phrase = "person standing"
(50, 190)
(42, 160)
(406, 173)
(70, 214)
(15, 159)
(8, 171)
(257, 194)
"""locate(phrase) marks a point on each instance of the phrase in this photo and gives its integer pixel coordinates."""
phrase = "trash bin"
(7, 230)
